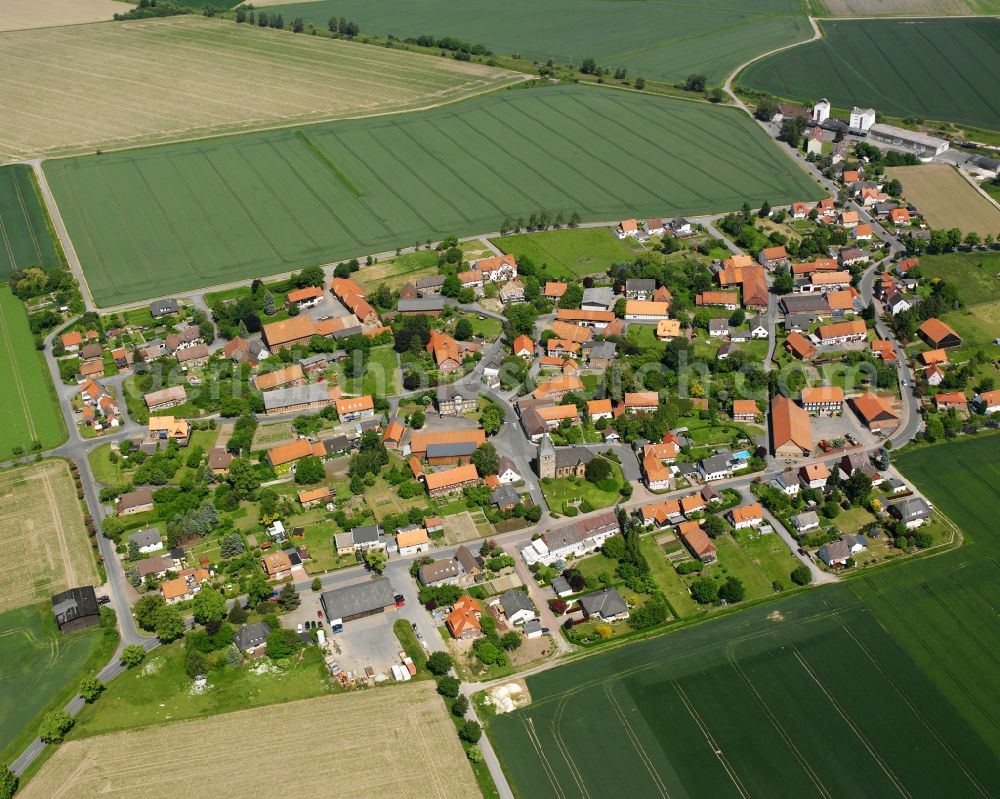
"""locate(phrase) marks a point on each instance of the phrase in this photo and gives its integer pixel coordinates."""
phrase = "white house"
(516, 606)
(821, 111)
(574, 541)
(412, 540)
(746, 516)
(837, 552)
(758, 329)
(862, 119)
(147, 540)
(507, 472)
(627, 228)
(805, 521)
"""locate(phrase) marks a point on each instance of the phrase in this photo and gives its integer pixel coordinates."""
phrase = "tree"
(470, 731)
(309, 470)
(242, 478)
(792, 130)
(463, 329)
(640, 83)
(572, 297)
(133, 655)
(766, 110)
(695, 83)
(317, 584)
(460, 706)
(704, 591)
(232, 545)
(732, 590)
(714, 526)
(169, 624)
(375, 559)
(801, 575)
(598, 470)
(282, 642)
(208, 605)
(146, 610)
(486, 459)
(256, 587)
(237, 615)
(288, 598)
(55, 725)
(269, 306)
(8, 782)
(449, 687)
(589, 66)
(614, 547)
(511, 640)
(90, 689)
(521, 318)
(195, 664)
(492, 419)
(604, 631)
(439, 663)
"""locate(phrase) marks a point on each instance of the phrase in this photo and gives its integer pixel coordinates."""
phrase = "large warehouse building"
(358, 601)
(920, 143)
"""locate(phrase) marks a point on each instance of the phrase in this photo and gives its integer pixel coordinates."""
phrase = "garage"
(358, 601)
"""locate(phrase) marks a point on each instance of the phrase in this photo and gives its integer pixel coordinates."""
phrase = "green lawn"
(594, 565)
(974, 274)
(644, 336)
(32, 409)
(950, 82)
(564, 489)
(408, 640)
(666, 576)
(569, 253)
(101, 467)
(41, 670)
(398, 270)
(850, 521)
(769, 554)
(381, 376)
(159, 691)
(25, 239)
(419, 175)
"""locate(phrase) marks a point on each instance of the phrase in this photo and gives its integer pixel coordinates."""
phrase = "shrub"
(689, 567)
(439, 663)
(460, 706)
(801, 575)
(470, 731)
(449, 687)
(704, 591)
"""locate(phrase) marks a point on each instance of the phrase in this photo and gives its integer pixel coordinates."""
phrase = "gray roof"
(431, 573)
(715, 325)
(984, 162)
(604, 603)
(514, 600)
(364, 597)
(147, 537)
(366, 535)
(434, 303)
(431, 281)
(250, 636)
(505, 495)
(75, 603)
(451, 450)
(296, 395)
(336, 444)
(805, 303)
(560, 585)
(911, 509)
(532, 625)
(799, 321)
(571, 456)
(599, 295)
(602, 349)
(162, 307)
(716, 463)
(506, 463)
(467, 559)
(756, 321)
(347, 332)
(640, 284)
(805, 519)
(580, 530)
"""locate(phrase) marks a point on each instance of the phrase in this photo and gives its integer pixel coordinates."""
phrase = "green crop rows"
(179, 217)
(884, 685)
(24, 235)
(942, 69)
(662, 39)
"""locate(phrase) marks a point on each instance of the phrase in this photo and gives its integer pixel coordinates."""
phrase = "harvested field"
(351, 751)
(23, 14)
(43, 542)
(76, 90)
(171, 219)
(946, 199)
(24, 234)
(658, 39)
(860, 63)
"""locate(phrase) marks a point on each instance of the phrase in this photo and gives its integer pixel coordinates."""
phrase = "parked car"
(319, 614)
(104, 599)
(298, 628)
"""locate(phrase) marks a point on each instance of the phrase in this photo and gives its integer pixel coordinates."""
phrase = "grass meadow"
(202, 77)
(662, 40)
(569, 253)
(897, 666)
(38, 666)
(275, 201)
(871, 62)
(32, 408)
(24, 234)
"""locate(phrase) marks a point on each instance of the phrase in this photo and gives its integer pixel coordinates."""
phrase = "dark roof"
(431, 281)
(347, 332)
(336, 444)
(602, 349)
(514, 600)
(177, 553)
(162, 307)
(75, 603)
(295, 395)
(440, 570)
(367, 534)
(640, 284)
(805, 303)
(506, 463)
(571, 456)
(133, 499)
(604, 603)
(352, 600)
(911, 509)
(505, 495)
(468, 561)
(451, 450)
(250, 636)
(145, 538)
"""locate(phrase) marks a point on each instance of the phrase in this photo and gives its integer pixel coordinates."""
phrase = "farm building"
(791, 431)
(358, 601)
(76, 609)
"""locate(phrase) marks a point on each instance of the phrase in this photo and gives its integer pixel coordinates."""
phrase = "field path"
(64, 239)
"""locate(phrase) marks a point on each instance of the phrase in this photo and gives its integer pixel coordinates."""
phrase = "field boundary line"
(136, 242)
(327, 162)
(710, 740)
(69, 573)
(417, 728)
(639, 748)
(914, 709)
(789, 742)
(851, 723)
(6, 243)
